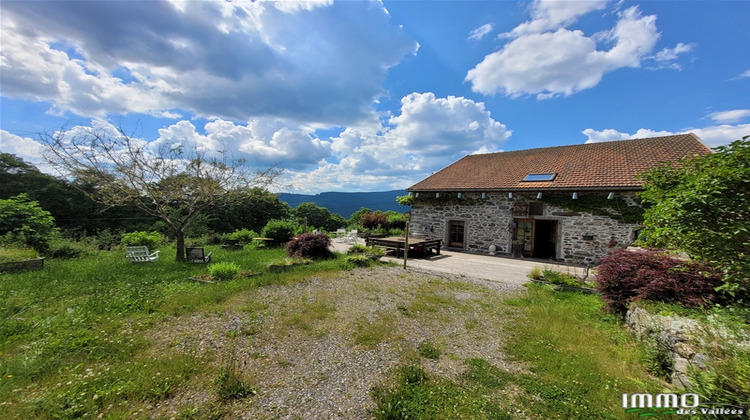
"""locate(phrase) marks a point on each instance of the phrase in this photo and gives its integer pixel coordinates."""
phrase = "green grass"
(577, 359)
(16, 254)
(580, 358)
(75, 330)
(73, 342)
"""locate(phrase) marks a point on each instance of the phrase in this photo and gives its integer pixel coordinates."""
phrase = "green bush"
(224, 270)
(702, 206)
(280, 231)
(557, 277)
(245, 236)
(23, 221)
(358, 260)
(150, 239)
(66, 248)
(105, 239)
(213, 238)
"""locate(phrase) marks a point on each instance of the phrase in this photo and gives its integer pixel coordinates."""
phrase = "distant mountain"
(347, 203)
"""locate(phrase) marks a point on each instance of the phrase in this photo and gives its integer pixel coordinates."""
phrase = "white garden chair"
(139, 254)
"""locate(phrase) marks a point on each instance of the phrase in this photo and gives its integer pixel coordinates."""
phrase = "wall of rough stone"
(582, 237)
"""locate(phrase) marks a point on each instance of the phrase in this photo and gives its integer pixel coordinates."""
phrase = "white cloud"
(27, 149)
(610, 134)
(429, 133)
(263, 142)
(712, 136)
(731, 116)
(308, 61)
(746, 73)
(480, 32)
(550, 15)
(665, 59)
(563, 62)
(720, 135)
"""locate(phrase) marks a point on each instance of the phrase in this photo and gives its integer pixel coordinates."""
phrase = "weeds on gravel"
(370, 333)
(230, 385)
(428, 350)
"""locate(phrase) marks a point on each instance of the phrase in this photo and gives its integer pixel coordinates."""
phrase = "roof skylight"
(539, 177)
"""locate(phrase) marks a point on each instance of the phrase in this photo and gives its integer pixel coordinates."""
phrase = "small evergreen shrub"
(141, 238)
(310, 245)
(627, 276)
(280, 231)
(224, 270)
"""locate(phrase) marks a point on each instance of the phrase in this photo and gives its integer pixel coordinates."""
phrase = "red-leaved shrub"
(374, 220)
(626, 276)
(309, 245)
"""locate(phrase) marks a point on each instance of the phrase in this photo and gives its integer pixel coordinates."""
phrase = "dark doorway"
(456, 234)
(545, 239)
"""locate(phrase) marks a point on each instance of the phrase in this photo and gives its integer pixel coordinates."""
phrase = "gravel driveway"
(315, 349)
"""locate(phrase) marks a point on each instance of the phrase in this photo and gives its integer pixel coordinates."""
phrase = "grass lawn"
(96, 336)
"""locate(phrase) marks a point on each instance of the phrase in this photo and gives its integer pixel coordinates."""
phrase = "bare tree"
(166, 181)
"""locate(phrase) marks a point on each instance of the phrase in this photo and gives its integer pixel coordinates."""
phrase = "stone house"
(567, 203)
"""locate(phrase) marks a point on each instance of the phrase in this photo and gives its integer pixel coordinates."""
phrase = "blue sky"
(370, 96)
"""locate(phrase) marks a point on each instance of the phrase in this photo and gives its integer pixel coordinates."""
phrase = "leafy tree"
(319, 216)
(315, 215)
(702, 206)
(168, 182)
(356, 217)
(246, 208)
(72, 209)
(337, 221)
(24, 220)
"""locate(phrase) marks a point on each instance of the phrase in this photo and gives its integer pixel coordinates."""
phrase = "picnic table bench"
(397, 244)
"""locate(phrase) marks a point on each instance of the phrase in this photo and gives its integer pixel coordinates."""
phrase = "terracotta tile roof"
(606, 165)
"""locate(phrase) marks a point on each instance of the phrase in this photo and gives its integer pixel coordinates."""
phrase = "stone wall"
(581, 237)
(32, 264)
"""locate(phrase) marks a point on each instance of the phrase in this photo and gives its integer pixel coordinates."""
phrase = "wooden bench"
(397, 244)
(138, 254)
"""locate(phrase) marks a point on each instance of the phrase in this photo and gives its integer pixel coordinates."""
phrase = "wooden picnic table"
(397, 243)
